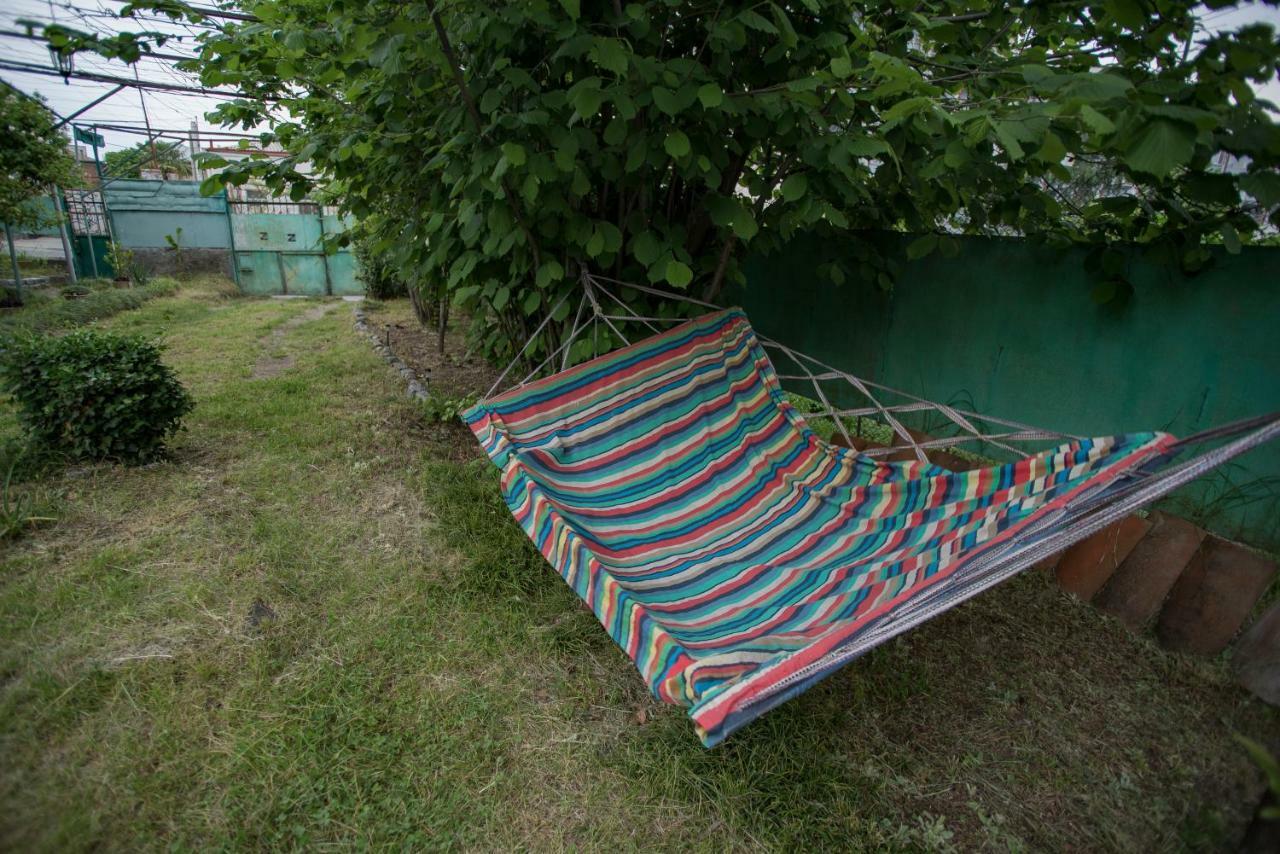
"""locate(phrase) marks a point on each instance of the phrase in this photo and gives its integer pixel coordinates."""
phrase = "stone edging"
(415, 389)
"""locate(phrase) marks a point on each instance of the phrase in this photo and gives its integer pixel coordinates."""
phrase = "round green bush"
(94, 395)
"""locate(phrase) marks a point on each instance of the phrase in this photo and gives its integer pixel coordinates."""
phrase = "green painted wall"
(1010, 329)
(275, 253)
(144, 211)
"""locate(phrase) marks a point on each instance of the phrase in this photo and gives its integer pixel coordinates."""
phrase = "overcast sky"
(172, 110)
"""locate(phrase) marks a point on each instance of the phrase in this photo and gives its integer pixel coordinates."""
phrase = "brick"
(1047, 564)
(1086, 566)
(1213, 597)
(1256, 659)
(1143, 581)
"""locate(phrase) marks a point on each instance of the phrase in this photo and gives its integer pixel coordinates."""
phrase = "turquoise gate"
(278, 248)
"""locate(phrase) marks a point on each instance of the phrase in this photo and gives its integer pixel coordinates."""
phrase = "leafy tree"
(495, 149)
(33, 156)
(168, 157)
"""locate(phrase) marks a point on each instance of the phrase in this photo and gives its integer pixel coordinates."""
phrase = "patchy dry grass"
(317, 625)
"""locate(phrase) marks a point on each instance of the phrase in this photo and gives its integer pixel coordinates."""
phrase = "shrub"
(381, 281)
(95, 305)
(94, 395)
(127, 266)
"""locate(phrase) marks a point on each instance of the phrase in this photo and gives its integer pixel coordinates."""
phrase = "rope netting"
(851, 403)
(870, 416)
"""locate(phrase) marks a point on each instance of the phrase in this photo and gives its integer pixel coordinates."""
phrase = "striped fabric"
(726, 548)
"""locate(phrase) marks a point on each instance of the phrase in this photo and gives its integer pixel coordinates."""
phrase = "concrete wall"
(1010, 329)
(166, 262)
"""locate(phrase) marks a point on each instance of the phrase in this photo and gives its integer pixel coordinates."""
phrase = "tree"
(496, 149)
(170, 158)
(34, 156)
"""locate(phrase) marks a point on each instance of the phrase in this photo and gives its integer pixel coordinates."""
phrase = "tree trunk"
(421, 306)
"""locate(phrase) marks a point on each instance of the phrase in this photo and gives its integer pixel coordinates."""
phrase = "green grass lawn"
(317, 625)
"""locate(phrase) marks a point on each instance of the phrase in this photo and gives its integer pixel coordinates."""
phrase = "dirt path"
(273, 362)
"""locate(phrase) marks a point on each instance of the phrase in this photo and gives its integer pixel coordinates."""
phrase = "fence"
(1011, 329)
(268, 247)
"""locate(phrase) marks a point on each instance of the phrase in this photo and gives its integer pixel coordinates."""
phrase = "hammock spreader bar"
(737, 557)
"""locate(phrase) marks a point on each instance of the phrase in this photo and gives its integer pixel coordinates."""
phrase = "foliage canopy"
(169, 157)
(94, 395)
(494, 149)
(33, 156)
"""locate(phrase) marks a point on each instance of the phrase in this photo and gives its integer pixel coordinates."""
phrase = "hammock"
(736, 556)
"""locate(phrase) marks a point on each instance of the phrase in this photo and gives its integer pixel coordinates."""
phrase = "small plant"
(75, 291)
(94, 395)
(175, 246)
(1270, 766)
(379, 277)
(126, 264)
(17, 511)
(440, 408)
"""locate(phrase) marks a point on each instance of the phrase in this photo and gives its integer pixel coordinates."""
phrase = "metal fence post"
(66, 240)
(231, 237)
(324, 255)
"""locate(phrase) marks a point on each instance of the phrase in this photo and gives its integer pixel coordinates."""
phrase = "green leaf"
(490, 101)
(514, 152)
(757, 22)
(646, 248)
(678, 274)
(1128, 13)
(676, 144)
(664, 99)
(586, 98)
(711, 95)
(841, 66)
(549, 272)
(922, 246)
(1051, 148)
(1093, 86)
(616, 132)
(1096, 121)
(722, 209)
(596, 244)
(501, 298)
(1160, 147)
(572, 7)
(610, 55)
(1230, 238)
(1008, 140)
(794, 187)
(744, 224)
(1263, 186)
(531, 301)
(904, 108)
(612, 237)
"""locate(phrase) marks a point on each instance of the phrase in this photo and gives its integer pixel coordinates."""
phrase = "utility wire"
(31, 68)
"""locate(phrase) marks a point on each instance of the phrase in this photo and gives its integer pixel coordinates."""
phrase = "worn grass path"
(317, 625)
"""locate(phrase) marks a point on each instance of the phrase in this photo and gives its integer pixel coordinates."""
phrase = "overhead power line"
(15, 34)
(30, 68)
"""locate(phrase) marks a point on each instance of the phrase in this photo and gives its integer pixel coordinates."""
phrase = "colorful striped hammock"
(734, 555)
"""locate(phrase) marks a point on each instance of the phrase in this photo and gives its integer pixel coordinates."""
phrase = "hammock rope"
(585, 451)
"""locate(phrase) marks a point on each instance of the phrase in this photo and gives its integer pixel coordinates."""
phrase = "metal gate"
(90, 223)
(278, 248)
